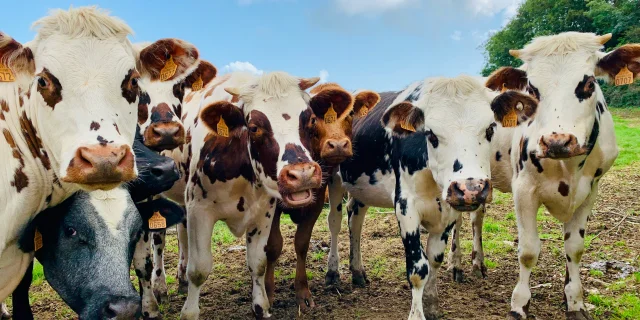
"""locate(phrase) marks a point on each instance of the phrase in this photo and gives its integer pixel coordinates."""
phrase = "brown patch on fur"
(286, 116)
(143, 108)
(508, 101)
(403, 112)
(94, 126)
(510, 78)
(205, 70)
(20, 179)
(130, 91)
(563, 188)
(52, 92)
(154, 57)
(527, 260)
(33, 140)
(627, 55)
(18, 58)
(264, 147)
(117, 129)
(368, 99)
(161, 113)
(4, 107)
(415, 280)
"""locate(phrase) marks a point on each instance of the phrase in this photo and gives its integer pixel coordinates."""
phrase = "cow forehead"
(85, 62)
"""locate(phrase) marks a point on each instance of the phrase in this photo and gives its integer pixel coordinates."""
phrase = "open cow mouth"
(299, 198)
(466, 208)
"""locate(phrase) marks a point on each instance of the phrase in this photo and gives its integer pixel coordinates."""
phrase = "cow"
(241, 159)
(423, 151)
(67, 116)
(159, 119)
(156, 174)
(561, 149)
(326, 132)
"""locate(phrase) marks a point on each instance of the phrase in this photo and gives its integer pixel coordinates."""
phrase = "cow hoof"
(431, 310)
(458, 276)
(306, 304)
(515, 316)
(480, 272)
(183, 287)
(359, 278)
(185, 315)
(332, 278)
(578, 315)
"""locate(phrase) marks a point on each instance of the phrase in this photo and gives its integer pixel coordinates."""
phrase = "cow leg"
(436, 243)
(143, 265)
(183, 254)
(199, 230)
(158, 279)
(257, 238)
(526, 208)
(301, 243)
(356, 211)
(477, 255)
(4, 311)
(274, 250)
(20, 297)
(416, 259)
(334, 219)
(574, 232)
(455, 255)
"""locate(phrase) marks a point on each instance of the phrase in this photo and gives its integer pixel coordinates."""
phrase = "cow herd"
(108, 143)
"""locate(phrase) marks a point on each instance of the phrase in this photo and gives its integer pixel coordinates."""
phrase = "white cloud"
(456, 36)
(242, 66)
(355, 7)
(324, 76)
(508, 8)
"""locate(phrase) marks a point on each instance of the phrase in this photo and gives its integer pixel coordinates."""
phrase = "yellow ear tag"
(168, 70)
(330, 116)
(157, 221)
(624, 77)
(510, 120)
(407, 126)
(5, 74)
(196, 86)
(504, 88)
(363, 111)
(222, 128)
(37, 241)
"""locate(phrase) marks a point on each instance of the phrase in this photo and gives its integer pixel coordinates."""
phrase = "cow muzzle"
(101, 167)
(335, 151)
(296, 183)
(122, 308)
(164, 136)
(559, 146)
(468, 195)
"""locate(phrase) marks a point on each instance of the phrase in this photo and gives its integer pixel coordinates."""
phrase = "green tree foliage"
(547, 17)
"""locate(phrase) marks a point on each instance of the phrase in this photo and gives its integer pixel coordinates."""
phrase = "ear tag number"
(510, 120)
(624, 77)
(196, 86)
(5, 74)
(37, 241)
(168, 70)
(407, 126)
(330, 116)
(222, 128)
(157, 221)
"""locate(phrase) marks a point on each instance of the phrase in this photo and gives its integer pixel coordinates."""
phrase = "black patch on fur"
(563, 188)
(440, 257)
(457, 166)
(413, 252)
(593, 137)
(582, 233)
(498, 155)
(585, 88)
(240, 206)
(535, 161)
(598, 172)
(490, 131)
(339, 207)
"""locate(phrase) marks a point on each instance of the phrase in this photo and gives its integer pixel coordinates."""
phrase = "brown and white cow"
(68, 109)
(241, 160)
(326, 130)
(561, 149)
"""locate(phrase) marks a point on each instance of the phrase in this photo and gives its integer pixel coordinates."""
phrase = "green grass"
(626, 306)
(628, 138)
(596, 273)
(38, 274)
(221, 236)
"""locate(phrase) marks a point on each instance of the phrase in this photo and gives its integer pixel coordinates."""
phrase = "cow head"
(272, 108)
(453, 116)
(160, 105)
(560, 71)
(157, 173)
(326, 128)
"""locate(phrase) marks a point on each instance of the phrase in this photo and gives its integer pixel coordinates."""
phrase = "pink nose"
(336, 150)
(468, 195)
(164, 135)
(560, 146)
(99, 164)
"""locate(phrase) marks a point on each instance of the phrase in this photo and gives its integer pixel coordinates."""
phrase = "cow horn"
(515, 53)
(604, 38)
(232, 91)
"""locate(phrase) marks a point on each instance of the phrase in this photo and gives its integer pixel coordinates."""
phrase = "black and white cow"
(560, 149)
(156, 174)
(425, 152)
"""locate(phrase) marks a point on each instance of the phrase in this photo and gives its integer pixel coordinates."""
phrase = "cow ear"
(331, 101)
(612, 63)
(365, 101)
(306, 83)
(220, 115)
(522, 104)
(15, 59)
(168, 60)
(199, 78)
(171, 211)
(403, 119)
(507, 78)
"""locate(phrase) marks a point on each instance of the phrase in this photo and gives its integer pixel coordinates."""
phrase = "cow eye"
(313, 120)
(134, 82)
(352, 113)
(42, 82)
(70, 232)
(253, 129)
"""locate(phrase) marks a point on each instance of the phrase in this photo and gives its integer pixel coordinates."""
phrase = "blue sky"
(373, 44)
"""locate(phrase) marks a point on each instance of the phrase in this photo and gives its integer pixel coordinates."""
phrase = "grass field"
(612, 235)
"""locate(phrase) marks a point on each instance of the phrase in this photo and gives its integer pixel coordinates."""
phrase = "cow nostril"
(331, 145)
(157, 172)
(109, 312)
(568, 143)
(345, 144)
(291, 175)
